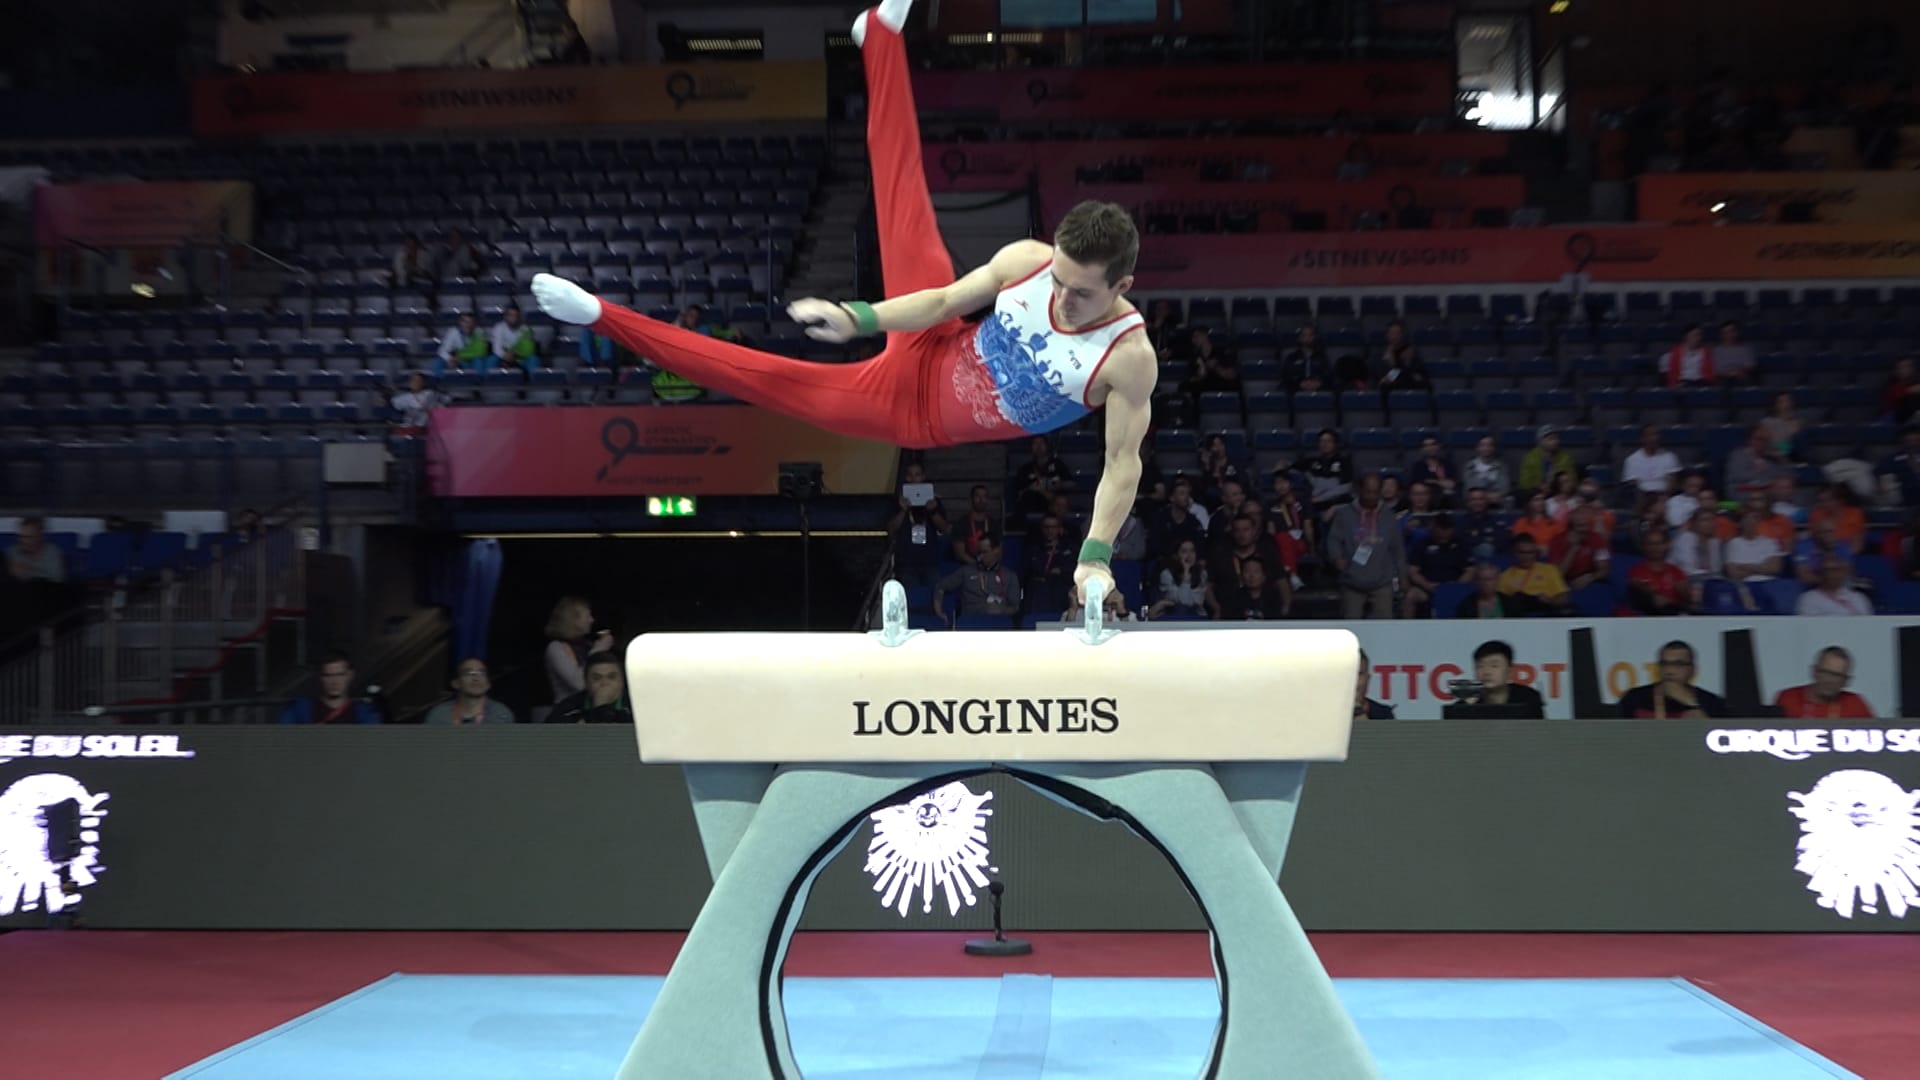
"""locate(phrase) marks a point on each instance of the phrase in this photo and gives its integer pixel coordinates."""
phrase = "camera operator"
(1491, 695)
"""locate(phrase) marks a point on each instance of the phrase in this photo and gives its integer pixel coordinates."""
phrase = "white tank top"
(1024, 373)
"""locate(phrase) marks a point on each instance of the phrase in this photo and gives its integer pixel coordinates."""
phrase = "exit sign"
(670, 506)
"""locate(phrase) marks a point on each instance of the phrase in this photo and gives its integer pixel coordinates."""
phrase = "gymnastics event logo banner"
(142, 214)
(1875, 198)
(537, 452)
(1636, 254)
(1271, 206)
(239, 105)
(1245, 92)
(1006, 166)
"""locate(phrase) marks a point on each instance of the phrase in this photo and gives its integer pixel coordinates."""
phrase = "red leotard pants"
(891, 396)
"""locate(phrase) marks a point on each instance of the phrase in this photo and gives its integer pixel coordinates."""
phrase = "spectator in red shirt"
(1582, 553)
(1656, 586)
(1826, 697)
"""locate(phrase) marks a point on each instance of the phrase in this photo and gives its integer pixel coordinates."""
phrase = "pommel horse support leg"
(790, 740)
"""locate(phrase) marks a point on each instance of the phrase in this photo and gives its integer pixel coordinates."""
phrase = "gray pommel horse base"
(1198, 742)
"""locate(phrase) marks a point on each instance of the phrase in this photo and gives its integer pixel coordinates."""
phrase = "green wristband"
(1096, 552)
(865, 322)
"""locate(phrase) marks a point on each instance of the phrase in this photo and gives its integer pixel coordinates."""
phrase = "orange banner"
(535, 452)
(1005, 166)
(1528, 256)
(1882, 198)
(238, 105)
(142, 214)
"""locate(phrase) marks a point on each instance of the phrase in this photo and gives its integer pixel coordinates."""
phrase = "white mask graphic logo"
(49, 841)
(1860, 843)
(934, 840)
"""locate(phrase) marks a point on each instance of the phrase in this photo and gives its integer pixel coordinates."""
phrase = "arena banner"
(1271, 206)
(243, 105)
(1362, 88)
(1007, 166)
(1873, 198)
(537, 452)
(143, 214)
(1582, 667)
(1520, 256)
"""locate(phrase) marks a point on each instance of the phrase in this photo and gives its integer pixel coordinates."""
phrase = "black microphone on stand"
(1000, 944)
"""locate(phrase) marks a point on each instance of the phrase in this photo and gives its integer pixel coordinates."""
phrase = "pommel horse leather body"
(1198, 741)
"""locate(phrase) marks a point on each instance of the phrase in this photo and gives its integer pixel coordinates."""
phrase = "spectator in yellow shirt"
(1532, 587)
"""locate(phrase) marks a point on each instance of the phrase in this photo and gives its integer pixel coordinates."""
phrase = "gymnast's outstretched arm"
(842, 321)
(1129, 374)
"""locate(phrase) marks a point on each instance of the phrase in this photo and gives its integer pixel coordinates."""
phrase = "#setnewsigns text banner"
(1006, 166)
(240, 105)
(1881, 198)
(1451, 200)
(143, 214)
(1582, 667)
(1243, 92)
(1514, 256)
(538, 452)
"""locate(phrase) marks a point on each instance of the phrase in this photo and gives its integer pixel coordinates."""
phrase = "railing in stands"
(176, 637)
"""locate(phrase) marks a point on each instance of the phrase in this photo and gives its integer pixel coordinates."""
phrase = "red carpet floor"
(131, 1005)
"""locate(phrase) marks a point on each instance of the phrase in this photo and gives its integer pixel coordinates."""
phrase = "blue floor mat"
(1024, 1027)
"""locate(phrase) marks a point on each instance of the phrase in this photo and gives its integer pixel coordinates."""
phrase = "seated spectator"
(1183, 584)
(1656, 586)
(1416, 514)
(1433, 469)
(1899, 472)
(1364, 707)
(1216, 468)
(604, 701)
(1391, 496)
(1532, 587)
(1178, 522)
(1537, 523)
(1776, 518)
(1753, 556)
(1827, 696)
(1486, 601)
(1699, 552)
(1563, 494)
(599, 350)
(1257, 596)
(1440, 559)
(1835, 594)
(1151, 492)
(1163, 327)
(1689, 363)
(1733, 359)
(464, 346)
(1214, 370)
(412, 406)
(512, 341)
(412, 266)
(1784, 428)
(1244, 541)
(1275, 543)
(1048, 579)
(1652, 468)
(1835, 503)
(1821, 543)
(571, 642)
(1487, 472)
(334, 704)
(1683, 504)
(1404, 369)
(1497, 694)
(470, 704)
(1042, 476)
(1288, 514)
(1754, 467)
(1540, 464)
(1306, 368)
(1900, 397)
(1582, 553)
(986, 587)
(1674, 697)
(33, 559)
(1233, 502)
(975, 526)
(1331, 473)
(457, 258)
(1480, 529)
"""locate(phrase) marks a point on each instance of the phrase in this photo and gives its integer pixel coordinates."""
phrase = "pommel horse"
(1197, 741)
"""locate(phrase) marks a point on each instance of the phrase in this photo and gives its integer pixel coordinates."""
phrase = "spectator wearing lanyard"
(1366, 549)
(1827, 696)
(1050, 566)
(974, 528)
(986, 588)
(1434, 470)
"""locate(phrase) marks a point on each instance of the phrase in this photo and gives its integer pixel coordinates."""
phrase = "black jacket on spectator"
(1302, 364)
(576, 710)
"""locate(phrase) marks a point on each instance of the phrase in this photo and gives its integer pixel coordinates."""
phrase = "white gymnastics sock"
(893, 13)
(565, 301)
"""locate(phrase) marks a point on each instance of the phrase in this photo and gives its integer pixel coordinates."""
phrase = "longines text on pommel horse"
(1196, 741)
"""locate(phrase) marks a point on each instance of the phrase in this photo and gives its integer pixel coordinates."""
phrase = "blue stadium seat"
(108, 554)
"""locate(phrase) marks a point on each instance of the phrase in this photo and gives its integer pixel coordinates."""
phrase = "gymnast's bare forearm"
(1113, 497)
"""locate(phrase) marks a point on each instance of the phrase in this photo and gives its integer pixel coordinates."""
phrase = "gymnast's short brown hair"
(1100, 232)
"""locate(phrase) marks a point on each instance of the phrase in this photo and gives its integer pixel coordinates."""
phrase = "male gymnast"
(1061, 341)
